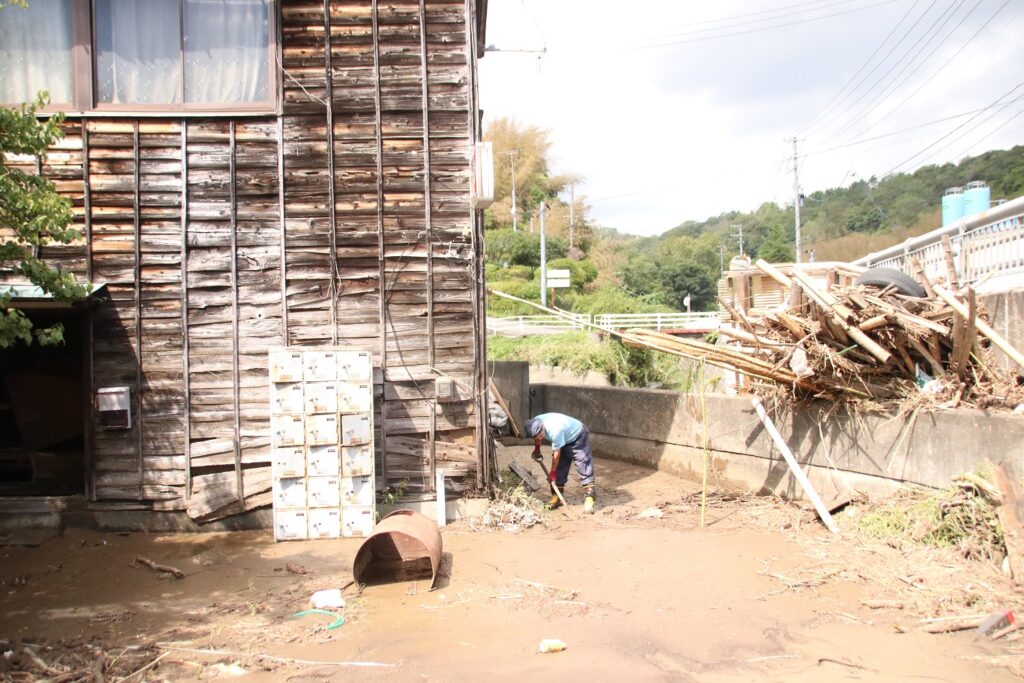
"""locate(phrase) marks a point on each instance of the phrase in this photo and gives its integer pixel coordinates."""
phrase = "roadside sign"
(558, 278)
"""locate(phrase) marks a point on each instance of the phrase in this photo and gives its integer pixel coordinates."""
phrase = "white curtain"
(35, 51)
(226, 51)
(138, 51)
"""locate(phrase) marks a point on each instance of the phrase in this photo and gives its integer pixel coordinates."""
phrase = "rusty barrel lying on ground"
(400, 543)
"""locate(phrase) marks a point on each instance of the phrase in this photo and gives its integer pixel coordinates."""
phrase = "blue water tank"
(977, 197)
(952, 205)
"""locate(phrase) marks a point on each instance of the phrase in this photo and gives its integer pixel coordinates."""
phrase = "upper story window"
(35, 51)
(141, 56)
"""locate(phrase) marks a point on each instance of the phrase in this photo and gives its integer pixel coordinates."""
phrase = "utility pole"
(721, 257)
(740, 235)
(796, 196)
(512, 156)
(543, 262)
(572, 207)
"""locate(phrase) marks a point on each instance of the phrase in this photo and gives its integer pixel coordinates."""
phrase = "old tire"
(883, 277)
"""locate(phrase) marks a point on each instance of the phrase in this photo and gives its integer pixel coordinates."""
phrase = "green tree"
(33, 215)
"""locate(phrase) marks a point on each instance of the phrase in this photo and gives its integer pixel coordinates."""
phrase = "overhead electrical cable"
(730, 24)
(764, 28)
(898, 82)
(825, 108)
(928, 35)
(945, 64)
(994, 104)
(862, 141)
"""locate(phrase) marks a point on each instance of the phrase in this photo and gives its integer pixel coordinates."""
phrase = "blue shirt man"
(567, 435)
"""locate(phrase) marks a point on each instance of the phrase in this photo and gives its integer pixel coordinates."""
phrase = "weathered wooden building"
(287, 172)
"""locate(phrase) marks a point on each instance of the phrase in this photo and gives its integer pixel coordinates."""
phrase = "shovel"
(554, 489)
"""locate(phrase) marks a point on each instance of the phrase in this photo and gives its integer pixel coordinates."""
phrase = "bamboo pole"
(774, 273)
(982, 326)
(794, 466)
(840, 315)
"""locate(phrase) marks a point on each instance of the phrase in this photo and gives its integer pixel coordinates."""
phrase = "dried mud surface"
(762, 592)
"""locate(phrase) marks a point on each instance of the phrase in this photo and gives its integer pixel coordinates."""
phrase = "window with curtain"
(192, 52)
(127, 55)
(35, 51)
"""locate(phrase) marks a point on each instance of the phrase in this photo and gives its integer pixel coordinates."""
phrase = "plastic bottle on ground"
(551, 645)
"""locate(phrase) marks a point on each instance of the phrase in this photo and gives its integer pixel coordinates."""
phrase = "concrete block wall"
(873, 454)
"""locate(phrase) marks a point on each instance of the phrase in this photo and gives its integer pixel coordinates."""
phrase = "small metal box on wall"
(321, 416)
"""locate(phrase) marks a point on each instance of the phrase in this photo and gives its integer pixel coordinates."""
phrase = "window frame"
(84, 74)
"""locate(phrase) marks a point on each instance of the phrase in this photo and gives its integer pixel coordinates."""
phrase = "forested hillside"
(612, 272)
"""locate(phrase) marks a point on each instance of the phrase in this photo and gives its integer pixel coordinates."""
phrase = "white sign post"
(556, 278)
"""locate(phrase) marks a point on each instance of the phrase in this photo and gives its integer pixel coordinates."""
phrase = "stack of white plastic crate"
(321, 423)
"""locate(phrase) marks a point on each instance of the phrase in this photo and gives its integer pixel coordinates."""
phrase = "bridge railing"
(658, 321)
(521, 325)
(991, 242)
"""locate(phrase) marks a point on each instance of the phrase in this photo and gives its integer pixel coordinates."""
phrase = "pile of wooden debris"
(863, 341)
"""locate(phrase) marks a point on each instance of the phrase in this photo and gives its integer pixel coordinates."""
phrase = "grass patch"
(954, 518)
(582, 352)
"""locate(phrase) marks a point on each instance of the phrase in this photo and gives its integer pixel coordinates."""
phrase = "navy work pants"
(578, 452)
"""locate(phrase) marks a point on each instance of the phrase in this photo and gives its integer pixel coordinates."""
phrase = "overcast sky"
(676, 110)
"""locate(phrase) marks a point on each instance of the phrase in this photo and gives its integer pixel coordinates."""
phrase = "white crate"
(356, 460)
(324, 461)
(286, 398)
(355, 397)
(357, 521)
(324, 523)
(285, 366)
(355, 366)
(287, 430)
(290, 492)
(289, 461)
(357, 491)
(323, 492)
(355, 429)
(321, 397)
(321, 430)
(320, 366)
(290, 525)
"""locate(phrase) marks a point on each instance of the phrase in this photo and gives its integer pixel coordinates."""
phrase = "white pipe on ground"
(794, 466)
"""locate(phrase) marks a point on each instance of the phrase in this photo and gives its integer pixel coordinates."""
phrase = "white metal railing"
(521, 325)
(991, 242)
(658, 321)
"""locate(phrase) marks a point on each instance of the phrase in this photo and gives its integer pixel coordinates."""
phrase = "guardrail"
(658, 321)
(522, 325)
(991, 242)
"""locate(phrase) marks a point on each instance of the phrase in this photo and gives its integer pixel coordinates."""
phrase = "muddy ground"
(763, 593)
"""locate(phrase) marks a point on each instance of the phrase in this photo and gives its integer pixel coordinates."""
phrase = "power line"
(765, 28)
(735, 24)
(905, 130)
(968, 131)
(944, 16)
(892, 49)
(862, 67)
(991, 133)
(994, 103)
(895, 85)
(945, 64)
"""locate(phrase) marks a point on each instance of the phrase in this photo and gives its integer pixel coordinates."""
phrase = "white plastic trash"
(326, 599)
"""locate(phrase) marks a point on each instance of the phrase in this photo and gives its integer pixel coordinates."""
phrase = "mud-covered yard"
(763, 592)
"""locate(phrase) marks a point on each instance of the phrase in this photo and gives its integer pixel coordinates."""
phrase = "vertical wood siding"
(345, 220)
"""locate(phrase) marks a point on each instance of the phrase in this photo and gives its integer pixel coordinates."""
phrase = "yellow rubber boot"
(589, 501)
(554, 502)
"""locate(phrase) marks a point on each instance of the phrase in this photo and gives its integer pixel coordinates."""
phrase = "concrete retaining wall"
(512, 378)
(872, 454)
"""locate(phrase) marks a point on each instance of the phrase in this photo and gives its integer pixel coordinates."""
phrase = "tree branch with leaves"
(32, 214)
